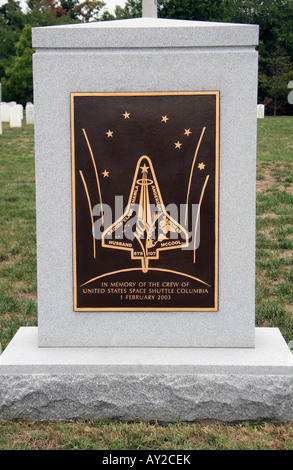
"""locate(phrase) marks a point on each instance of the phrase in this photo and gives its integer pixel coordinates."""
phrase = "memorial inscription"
(145, 201)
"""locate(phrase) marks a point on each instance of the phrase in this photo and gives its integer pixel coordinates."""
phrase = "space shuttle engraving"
(145, 228)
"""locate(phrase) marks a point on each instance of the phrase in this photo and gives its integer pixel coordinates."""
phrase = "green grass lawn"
(274, 139)
(18, 298)
(18, 237)
(274, 224)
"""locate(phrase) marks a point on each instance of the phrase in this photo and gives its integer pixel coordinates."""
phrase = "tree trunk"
(275, 106)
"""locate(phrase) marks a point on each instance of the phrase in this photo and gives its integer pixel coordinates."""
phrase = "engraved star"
(126, 115)
(165, 118)
(105, 173)
(109, 133)
(177, 145)
(201, 166)
(187, 132)
(144, 168)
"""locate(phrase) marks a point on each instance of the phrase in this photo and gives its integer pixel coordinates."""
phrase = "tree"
(68, 7)
(200, 10)
(18, 82)
(45, 13)
(276, 84)
(275, 18)
(132, 9)
(89, 10)
(12, 21)
(107, 16)
(52, 12)
(17, 69)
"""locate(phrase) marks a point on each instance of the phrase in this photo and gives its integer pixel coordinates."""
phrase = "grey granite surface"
(220, 398)
(165, 384)
(210, 64)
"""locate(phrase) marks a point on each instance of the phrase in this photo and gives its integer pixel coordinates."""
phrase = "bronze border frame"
(217, 145)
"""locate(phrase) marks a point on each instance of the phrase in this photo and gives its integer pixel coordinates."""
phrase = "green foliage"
(53, 12)
(200, 10)
(89, 10)
(18, 81)
(43, 13)
(275, 18)
(15, 31)
(275, 82)
(106, 16)
(12, 21)
(132, 9)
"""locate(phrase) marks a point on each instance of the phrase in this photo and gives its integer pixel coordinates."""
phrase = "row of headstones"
(14, 113)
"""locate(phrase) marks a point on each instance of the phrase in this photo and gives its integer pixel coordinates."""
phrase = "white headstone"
(20, 107)
(4, 112)
(15, 116)
(260, 111)
(29, 112)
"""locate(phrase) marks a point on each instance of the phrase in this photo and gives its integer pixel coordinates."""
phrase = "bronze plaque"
(145, 176)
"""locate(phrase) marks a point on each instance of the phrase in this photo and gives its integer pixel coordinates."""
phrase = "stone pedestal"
(155, 365)
(164, 384)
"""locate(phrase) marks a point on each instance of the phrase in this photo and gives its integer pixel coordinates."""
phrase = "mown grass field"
(274, 227)
(18, 304)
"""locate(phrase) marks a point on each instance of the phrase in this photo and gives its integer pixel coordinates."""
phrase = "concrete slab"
(271, 355)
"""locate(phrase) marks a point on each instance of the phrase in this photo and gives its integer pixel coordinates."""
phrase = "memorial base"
(163, 384)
